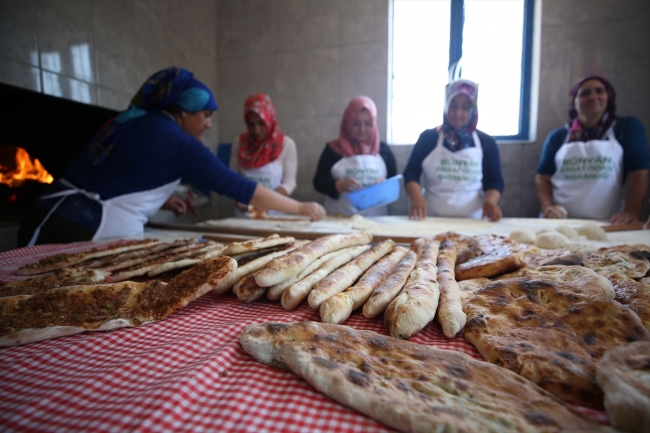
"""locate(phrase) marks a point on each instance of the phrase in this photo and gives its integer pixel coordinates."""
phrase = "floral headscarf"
(577, 132)
(257, 153)
(346, 145)
(171, 88)
(460, 138)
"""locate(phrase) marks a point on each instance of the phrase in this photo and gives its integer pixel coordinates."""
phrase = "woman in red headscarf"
(263, 153)
(585, 164)
(357, 158)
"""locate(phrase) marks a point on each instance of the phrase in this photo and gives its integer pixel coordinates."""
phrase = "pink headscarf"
(258, 153)
(346, 145)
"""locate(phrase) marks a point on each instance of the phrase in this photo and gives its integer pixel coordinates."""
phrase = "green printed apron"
(588, 177)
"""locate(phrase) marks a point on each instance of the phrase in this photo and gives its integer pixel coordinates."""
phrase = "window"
(487, 41)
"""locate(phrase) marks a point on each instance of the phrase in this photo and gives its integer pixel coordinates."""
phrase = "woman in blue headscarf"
(134, 163)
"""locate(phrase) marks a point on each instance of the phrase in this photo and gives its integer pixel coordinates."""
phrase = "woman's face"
(458, 111)
(591, 100)
(362, 125)
(196, 123)
(256, 126)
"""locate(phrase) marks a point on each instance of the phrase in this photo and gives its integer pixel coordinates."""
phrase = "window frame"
(527, 113)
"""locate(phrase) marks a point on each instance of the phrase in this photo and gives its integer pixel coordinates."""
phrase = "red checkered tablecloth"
(185, 373)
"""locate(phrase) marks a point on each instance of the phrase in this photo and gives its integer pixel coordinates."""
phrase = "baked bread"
(71, 310)
(411, 387)
(550, 333)
(450, 313)
(624, 375)
(390, 287)
(556, 258)
(626, 260)
(634, 294)
(346, 275)
(467, 247)
(289, 265)
(339, 307)
(52, 280)
(416, 304)
(505, 259)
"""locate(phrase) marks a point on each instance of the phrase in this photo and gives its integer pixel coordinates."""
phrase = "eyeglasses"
(585, 93)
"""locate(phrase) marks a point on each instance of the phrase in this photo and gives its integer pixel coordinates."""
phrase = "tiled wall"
(101, 51)
(311, 57)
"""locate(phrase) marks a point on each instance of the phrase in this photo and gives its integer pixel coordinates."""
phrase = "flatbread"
(114, 259)
(634, 294)
(289, 265)
(468, 288)
(258, 244)
(382, 296)
(410, 387)
(467, 247)
(624, 375)
(274, 292)
(52, 280)
(60, 261)
(71, 310)
(556, 258)
(549, 333)
(508, 258)
(623, 260)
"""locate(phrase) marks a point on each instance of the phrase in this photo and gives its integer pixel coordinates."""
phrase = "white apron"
(269, 175)
(122, 216)
(454, 180)
(367, 170)
(588, 178)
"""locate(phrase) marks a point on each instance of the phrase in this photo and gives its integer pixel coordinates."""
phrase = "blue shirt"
(629, 132)
(492, 176)
(154, 151)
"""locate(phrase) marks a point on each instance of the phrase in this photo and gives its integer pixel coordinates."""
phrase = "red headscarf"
(346, 145)
(257, 153)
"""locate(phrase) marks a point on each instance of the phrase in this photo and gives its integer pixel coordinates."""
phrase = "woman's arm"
(418, 209)
(388, 156)
(323, 181)
(545, 197)
(637, 187)
(492, 172)
(264, 198)
(491, 206)
(289, 167)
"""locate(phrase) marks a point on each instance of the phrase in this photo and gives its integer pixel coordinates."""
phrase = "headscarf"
(577, 132)
(257, 153)
(460, 138)
(169, 89)
(346, 145)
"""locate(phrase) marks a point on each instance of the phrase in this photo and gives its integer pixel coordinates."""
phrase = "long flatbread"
(61, 261)
(346, 275)
(273, 240)
(411, 387)
(186, 263)
(285, 267)
(339, 307)
(416, 305)
(390, 287)
(116, 265)
(247, 289)
(450, 308)
(297, 292)
(274, 293)
(53, 280)
(113, 259)
(71, 310)
(254, 266)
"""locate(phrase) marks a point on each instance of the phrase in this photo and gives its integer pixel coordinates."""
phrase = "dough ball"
(552, 240)
(524, 236)
(593, 232)
(546, 230)
(569, 232)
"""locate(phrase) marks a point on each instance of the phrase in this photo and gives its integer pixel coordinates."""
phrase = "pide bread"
(410, 387)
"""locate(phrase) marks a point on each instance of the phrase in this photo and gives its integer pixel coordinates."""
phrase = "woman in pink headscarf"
(263, 153)
(356, 159)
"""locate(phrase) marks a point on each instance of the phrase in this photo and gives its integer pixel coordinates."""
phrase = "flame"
(25, 169)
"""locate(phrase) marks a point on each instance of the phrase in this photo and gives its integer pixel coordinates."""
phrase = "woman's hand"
(491, 205)
(312, 210)
(347, 185)
(623, 218)
(492, 210)
(241, 206)
(175, 205)
(418, 209)
(555, 211)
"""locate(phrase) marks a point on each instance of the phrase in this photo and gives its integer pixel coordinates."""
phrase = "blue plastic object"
(379, 194)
